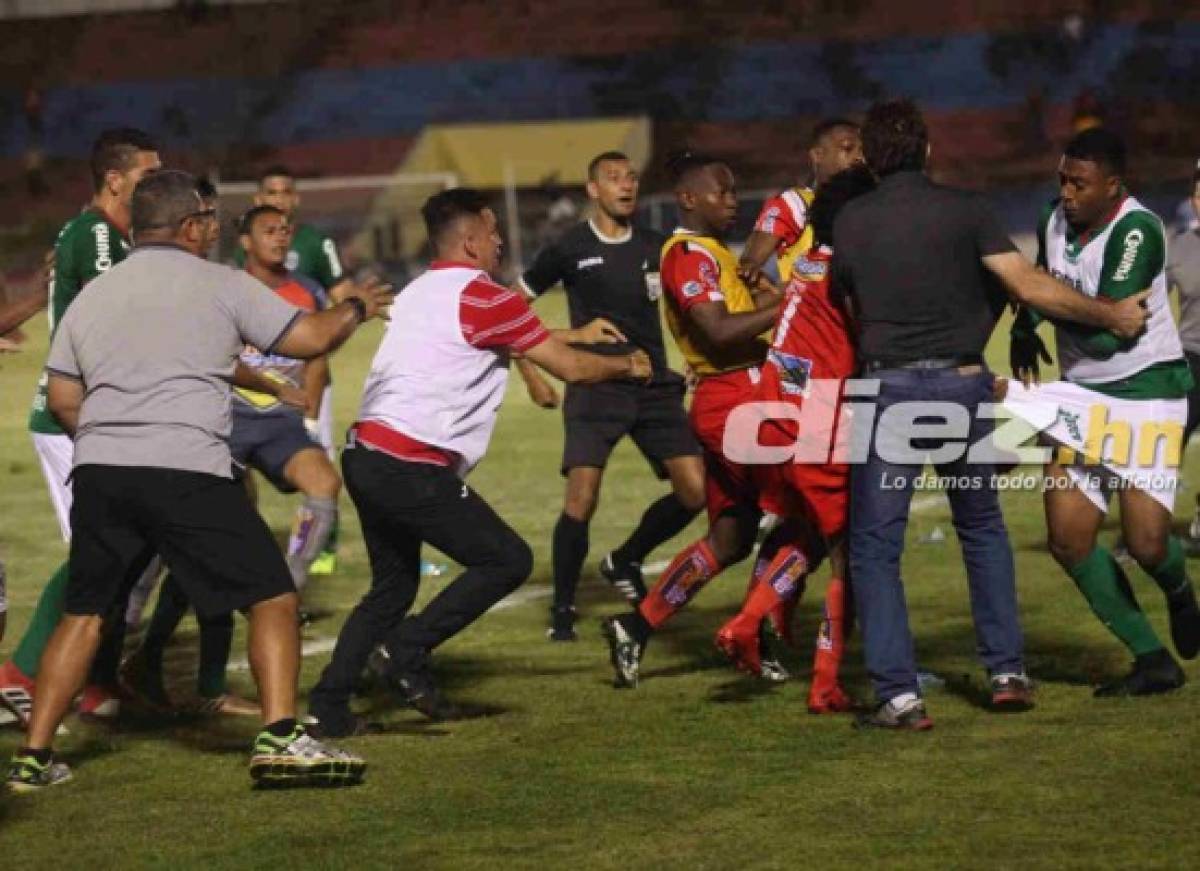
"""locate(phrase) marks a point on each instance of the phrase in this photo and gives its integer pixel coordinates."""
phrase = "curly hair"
(894, 138)
(835, 193)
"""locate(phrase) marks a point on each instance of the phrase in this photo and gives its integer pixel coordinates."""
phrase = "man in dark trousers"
(139, 377)
(427, 414)
(920, 263)
(609, 268)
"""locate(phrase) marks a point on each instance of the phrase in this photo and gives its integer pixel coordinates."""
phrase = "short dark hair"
(683, 164)
(594, 163)
(1101, 146)
(115, 149)
(895, 138)
(274, 170)
(206, 189)
(163, 200)
(246, 222)
(827, 126)
(835, 193)
(442, 210)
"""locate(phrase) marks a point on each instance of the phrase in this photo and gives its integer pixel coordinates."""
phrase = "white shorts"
(55, 455)
(1138, 442)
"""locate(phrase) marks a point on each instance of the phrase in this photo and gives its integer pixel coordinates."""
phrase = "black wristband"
(360, 308)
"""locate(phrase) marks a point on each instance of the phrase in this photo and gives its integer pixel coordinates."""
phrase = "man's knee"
(1148, 549)
(517, 561)
(583, 495)
(1068, 552)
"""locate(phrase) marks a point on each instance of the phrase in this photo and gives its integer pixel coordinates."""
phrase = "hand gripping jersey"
(698, 269)
(810, 358)
(786, 218)
(88, 245)
(284, 370)
(1126, 256)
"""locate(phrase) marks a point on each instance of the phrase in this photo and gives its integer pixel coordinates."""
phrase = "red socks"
(831, 640)
(691, 569)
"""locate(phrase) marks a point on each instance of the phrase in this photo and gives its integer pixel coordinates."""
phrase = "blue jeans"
(880, 496)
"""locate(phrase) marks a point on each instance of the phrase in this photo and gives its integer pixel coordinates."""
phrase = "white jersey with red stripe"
(439, 375)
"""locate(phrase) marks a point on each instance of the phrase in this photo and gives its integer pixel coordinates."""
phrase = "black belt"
(879, 363)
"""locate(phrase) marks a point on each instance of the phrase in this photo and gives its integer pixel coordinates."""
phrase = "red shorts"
(726, 483)
(819, 492)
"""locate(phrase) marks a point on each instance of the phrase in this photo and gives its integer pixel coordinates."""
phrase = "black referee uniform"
(615, 279)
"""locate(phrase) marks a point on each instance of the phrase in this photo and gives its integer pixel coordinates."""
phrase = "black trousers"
(401, 505)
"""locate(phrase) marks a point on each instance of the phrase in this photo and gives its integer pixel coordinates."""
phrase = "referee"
(609, 268)
(139, 376)
(919, 262)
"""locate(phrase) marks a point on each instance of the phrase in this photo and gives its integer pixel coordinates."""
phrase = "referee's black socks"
(568, 551)
(661, 522)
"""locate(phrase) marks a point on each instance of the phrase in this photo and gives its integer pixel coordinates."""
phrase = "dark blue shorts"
(267, 441)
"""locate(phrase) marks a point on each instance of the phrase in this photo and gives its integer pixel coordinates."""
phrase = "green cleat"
(301, 760)
(324, 564)
(26, 774)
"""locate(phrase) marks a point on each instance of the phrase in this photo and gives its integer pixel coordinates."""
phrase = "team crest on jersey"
(794, 372)
(292, 260)
(692, 289)
(653, 286)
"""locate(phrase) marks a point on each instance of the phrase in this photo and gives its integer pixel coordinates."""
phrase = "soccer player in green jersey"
(315, 255)
(89, 244)
(1118, 402)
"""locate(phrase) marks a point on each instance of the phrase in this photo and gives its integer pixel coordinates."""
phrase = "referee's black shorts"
(204, 527)
(597, 416)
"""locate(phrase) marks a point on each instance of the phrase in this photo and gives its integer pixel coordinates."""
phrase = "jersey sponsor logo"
(653, 286)
(1133, 241)
(794, 372)
(589, 262)
(811, 269)
(1071, 280)
(691, 289)
(103, 247)
(292, 261)
(708, 277)
(335, 265)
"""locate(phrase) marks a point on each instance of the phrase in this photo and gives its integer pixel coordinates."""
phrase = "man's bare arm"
(317, 333)
(17, 313)
(721, 328)
(1036, 289)
(581, 367)
(64, 398)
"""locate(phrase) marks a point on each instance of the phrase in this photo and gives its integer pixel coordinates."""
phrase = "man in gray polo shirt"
(1183, 273)
(139, 375)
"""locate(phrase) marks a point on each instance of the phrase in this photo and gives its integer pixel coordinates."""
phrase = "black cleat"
(625, 578)
(1153, 673)
(419, 691)
(771, 668)
(1185, 621)
(625, 651)
(562, 624)
(345, 725)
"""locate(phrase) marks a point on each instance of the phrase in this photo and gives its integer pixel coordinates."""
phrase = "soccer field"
(697, 768)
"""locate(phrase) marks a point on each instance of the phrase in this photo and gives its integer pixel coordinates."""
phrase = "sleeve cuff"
(59, 373)
(530, 293)
(270, 349)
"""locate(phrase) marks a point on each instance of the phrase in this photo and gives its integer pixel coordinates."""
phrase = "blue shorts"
(267, 441)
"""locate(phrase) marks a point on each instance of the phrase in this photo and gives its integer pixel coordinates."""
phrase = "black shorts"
(267, 441)
(204, 527)
(597, 416)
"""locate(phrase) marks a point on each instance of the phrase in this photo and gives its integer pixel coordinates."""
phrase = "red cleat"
(831, 701)
(740, 644)
(16, 693)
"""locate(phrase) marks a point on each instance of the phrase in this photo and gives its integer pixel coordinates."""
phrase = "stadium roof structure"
(17, 9)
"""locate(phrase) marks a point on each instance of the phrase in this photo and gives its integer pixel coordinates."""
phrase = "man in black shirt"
(609, 268)
(928, 271)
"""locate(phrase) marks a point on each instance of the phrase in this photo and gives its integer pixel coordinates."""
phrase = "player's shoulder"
(483, 291)
(1141, 220)
(89, 224)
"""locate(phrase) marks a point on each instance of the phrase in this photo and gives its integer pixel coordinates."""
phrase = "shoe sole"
(622, 681)
(276, 771)
(1011, 703)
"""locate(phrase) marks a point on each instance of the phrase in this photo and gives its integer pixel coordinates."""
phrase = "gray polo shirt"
(1183, 271)
(155, 341)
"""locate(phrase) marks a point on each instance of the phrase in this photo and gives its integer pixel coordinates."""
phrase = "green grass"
(697, 768)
